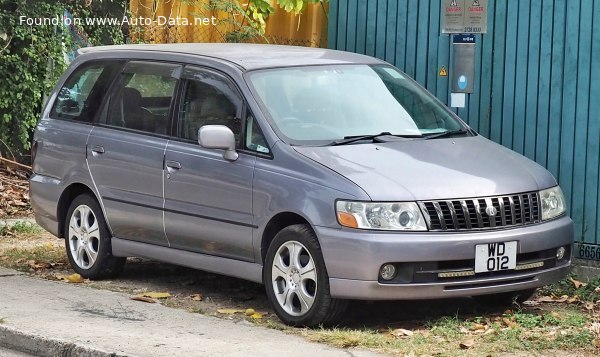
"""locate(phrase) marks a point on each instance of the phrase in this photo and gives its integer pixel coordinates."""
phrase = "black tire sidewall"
(304, 235)
(105, 249)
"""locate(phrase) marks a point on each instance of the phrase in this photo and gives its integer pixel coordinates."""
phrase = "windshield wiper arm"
(355, 138)
(446, 133)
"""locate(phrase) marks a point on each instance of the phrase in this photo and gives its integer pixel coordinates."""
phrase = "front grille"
(482, 213)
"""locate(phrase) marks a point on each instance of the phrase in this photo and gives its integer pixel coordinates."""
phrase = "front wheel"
(88, 240)
(296, 280)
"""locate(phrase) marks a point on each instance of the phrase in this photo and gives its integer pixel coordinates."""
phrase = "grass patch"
(587, 292)
(21, 258)
(2, 320)
(19, 227)
(534, 332)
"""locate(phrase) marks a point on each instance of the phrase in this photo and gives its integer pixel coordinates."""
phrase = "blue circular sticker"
(462, 82)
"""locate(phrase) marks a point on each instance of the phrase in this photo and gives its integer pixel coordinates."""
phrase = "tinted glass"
(208, 99)
(321, 104)
(82, 94)
(141, 98)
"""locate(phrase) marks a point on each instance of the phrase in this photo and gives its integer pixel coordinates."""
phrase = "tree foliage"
(32, 57)
(247, 19)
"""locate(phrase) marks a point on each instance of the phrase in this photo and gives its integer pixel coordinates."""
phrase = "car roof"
(249, 56)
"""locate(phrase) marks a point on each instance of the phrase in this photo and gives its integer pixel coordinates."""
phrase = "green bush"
(33, 57)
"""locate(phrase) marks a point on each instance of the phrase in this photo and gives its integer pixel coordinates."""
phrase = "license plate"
(495, 256)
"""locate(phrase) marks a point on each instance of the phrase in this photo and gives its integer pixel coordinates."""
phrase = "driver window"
(208, 99)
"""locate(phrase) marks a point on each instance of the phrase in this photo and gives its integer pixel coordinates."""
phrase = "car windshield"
(325, 104)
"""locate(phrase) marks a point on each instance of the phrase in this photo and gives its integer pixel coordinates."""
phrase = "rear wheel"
(505, 299)
(296, 280)
(88, 240)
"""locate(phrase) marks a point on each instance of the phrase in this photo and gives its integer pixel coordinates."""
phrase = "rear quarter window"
(81, 96)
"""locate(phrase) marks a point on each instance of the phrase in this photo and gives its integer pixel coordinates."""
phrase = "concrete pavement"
(49, 318)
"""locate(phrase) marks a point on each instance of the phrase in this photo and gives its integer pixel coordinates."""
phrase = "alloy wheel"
(294, 278)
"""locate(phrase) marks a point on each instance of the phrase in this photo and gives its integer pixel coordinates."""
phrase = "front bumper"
(353, 259)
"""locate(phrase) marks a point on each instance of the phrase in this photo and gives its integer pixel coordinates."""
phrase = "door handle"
(97, 150)
(173, 166)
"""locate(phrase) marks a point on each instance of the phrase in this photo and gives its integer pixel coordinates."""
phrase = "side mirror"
(218, 137)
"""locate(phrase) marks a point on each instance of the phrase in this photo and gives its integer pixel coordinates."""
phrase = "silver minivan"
(324, 175)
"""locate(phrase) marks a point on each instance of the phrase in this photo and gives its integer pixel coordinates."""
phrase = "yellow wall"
(308, 29)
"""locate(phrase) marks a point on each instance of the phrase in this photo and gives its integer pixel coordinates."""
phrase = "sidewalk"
(57, 319)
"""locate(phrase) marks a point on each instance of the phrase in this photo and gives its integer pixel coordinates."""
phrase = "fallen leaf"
(596, 342)
(466, 344)
(463, 329)
(509, 323)
(573, 299)
(73, 278)
(249, 312)
(229, 311)
(143, 299)
(256, 315)
(597, 290)
(555, 314)
(563, 298)
(545, 299)
(155, 295)
(595, 328)
(589, 305)
(425, 333)
(400, 332)
(197, 297)
(480, 329)
(476, 327)
(577, 284)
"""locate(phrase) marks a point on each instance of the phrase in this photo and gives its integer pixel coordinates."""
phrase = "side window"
(81, 95)
(255, 140)
(142, 96)
(209, 98)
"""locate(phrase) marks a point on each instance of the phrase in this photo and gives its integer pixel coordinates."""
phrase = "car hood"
(442, 168)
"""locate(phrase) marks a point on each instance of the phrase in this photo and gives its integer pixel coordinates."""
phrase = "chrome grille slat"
(512, 210)
(478, 211)
(466, 213)
(474, 213)
(502, 212)
(452, 213)
(440, 215)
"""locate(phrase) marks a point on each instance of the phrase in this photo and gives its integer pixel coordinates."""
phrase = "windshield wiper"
(355, 138)
(446, 133)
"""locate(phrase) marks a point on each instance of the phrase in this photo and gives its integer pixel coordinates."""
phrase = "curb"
(41, 346)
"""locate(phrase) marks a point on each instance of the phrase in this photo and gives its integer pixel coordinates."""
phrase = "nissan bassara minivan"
(325, 175)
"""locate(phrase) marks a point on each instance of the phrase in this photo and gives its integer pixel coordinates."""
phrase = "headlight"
(395, 216)
(553, 203)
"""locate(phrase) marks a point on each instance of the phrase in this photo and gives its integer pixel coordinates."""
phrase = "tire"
(505, 299)
(88, 240)
(298, 289)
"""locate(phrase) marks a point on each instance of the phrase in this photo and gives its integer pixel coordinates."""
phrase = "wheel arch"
(276, 224)
(67, 196)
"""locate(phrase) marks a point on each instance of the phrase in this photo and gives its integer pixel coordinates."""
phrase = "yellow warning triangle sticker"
(443, 72)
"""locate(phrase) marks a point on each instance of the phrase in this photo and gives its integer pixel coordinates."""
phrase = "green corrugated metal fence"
(537, 88)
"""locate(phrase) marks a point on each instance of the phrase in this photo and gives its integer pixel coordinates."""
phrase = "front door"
(208, 200)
